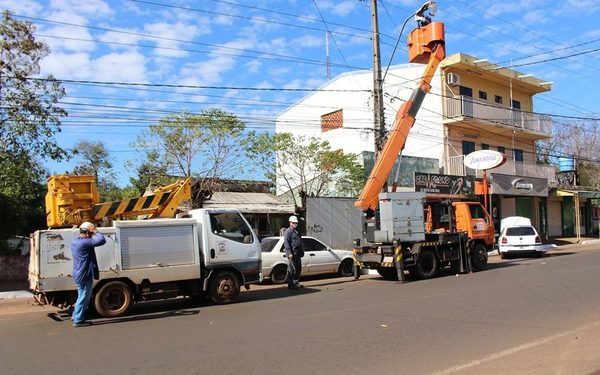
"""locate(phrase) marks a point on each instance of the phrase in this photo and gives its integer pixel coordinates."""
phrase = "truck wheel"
(279, 274)
(346, 268)
(224, 287)
(113, 299)
(388, 273)
(479, 257)
(427, 264)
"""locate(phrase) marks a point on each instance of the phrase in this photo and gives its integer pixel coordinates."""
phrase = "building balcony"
(477, 112)
(455, 166)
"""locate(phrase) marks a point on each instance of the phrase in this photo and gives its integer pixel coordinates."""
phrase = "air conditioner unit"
(453, 79)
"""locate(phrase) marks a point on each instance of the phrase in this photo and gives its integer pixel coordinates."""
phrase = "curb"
(15, 294)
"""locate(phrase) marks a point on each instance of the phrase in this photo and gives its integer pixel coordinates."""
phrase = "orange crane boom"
(425, 46)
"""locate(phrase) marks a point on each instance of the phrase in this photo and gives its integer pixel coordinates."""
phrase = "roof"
(249, 202)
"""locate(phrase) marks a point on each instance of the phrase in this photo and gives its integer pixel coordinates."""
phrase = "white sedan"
(518, 236)
(318, 259)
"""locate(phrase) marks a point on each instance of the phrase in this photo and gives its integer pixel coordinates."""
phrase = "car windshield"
(267, 244)
(520, 231)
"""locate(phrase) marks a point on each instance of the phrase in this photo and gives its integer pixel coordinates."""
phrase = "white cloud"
(22, 7)
(96, 8)
(172, 32)
(119, 67)
(61, 41)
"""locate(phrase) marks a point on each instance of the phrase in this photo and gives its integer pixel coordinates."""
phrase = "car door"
(318, 257)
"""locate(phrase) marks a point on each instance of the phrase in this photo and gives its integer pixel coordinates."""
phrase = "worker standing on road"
(292, 241)
(85, 268)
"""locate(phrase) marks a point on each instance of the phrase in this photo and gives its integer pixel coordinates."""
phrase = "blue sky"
(253, 57)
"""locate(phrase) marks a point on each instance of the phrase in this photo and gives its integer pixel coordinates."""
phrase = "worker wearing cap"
(85, 268)
(292, 241)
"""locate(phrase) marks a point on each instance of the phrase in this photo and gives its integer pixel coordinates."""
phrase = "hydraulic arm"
(425, 46)
(72, 200)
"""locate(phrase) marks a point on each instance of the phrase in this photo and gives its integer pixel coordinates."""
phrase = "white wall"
(425, 138)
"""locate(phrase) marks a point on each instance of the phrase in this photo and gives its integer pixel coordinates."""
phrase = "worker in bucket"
(85, 268)
(292, 241)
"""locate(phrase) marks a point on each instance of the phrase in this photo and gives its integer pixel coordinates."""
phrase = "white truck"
(211, 252)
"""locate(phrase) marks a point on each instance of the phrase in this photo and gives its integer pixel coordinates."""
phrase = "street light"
(421, 18)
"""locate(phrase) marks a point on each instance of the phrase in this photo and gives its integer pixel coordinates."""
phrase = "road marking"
(514, 350)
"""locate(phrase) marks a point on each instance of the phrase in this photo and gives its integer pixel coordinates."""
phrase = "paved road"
(533, 316)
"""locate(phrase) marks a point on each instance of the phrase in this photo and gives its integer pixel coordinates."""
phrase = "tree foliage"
(580, 140)
(29, 115)
(207, 146)
(94, 159)
(306, 166)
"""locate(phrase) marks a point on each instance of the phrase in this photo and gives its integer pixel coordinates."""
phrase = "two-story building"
(473, 105)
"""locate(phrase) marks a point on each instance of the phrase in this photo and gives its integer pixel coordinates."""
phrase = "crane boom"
(426, 45)
(71, 200)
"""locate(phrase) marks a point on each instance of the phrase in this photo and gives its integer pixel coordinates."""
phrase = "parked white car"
(518, 236)
(318, 259)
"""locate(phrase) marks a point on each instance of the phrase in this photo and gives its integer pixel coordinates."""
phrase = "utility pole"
(378, 117)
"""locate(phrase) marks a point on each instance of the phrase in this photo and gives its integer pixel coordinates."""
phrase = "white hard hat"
(85, 226)
(293, 219)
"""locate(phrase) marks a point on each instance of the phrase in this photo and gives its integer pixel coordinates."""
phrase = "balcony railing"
(455, 166)
(466, 106)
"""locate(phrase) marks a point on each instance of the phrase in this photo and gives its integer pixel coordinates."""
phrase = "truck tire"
(279, 274)
(479, 257)
(224, 287)
(388, 273)
(346, 268)
(113, 299)
(427, 264)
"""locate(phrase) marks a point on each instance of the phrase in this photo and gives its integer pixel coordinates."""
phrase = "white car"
(318, 259)
(518, 236)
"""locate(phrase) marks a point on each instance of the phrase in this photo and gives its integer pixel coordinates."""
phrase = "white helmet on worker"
(293, 219)
(85, 227)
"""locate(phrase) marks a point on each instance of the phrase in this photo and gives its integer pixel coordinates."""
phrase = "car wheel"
(279, 274)
(539, 254)
(503, 256)
(479, 256)
(346, 268)
(427, 264)
(224, 287)
(113, 299)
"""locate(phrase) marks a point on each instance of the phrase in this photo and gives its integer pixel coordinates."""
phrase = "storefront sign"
(515, 185)
(445, 184)
(484, 159)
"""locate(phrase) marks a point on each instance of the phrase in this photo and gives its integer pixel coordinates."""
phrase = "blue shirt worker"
(292, 242)
(85, 268)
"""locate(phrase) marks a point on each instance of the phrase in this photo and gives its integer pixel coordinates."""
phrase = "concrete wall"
(13, 267)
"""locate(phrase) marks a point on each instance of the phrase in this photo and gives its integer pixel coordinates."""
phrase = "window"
(268, 244)
(497, 99)
(468, 147)
(231, 226)
(333, 120)
(310, 244)
(466, 91)
(516, 104)
(520, 231)
(485, 146)
(501, 149)
(518, 154)
(483, 95)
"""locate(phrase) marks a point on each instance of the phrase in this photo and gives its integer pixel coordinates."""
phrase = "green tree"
(207, 146)
(30, 117)
(94, 159)
(306, 166)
